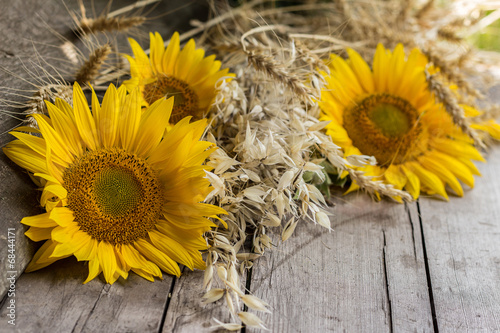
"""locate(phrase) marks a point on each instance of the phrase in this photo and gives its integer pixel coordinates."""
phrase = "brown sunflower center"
(185, 99)
(384, 126)
(115, 196)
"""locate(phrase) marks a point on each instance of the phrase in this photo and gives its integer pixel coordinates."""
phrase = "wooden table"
(421, 267)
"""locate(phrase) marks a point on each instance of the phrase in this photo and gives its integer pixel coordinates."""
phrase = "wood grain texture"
(366, 276)
(462, 241)
(55, 300)
(186, 313)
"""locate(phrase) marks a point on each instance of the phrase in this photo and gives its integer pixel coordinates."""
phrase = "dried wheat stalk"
(105, 23)
(90, 69)
(450, 103)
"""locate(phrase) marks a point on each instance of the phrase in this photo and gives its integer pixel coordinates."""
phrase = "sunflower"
(388, 112)
(185, 74)
(119, 191)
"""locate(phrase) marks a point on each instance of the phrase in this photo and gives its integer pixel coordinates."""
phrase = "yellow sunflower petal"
(40, 221)
(63, 216)
(53, 140)
(108, 117)
(457, 149)
(94, 270)
(37, 234)
(85, 122)
(88, 251)
(137, 261)
(152, 126)
(395, 176)
(141, 59)
(171, 248)
(157, 51)
(187, 55)
(107, 260)
(380, 68)
(131, 115)
(41, 258)
(152, 253)
(25, 157)
(443, 173)
(65, 126)
(456, 167)
(171, 54)
(413, 184)
(428, 179)
(362, 70)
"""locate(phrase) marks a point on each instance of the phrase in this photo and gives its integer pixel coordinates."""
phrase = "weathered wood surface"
(462, 239)
(368, 275)
(385, 267)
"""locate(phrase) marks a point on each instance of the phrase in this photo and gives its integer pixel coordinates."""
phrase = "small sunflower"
(120, 192)
(388, 112)
(185, 74)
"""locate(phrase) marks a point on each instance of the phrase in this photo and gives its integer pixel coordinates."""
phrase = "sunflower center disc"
(185, 99)
(384, 126)
(117, 191)
(115, 196)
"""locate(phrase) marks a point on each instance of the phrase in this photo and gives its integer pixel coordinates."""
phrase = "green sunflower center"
(117, 191)
(115, 196)
(185, 99)
(384, 126)
(391, 120)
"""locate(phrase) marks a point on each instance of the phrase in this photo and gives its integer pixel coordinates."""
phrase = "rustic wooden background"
(428, 266)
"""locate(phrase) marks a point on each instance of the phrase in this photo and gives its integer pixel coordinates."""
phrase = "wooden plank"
(186, 313)
(462, 240)
(55, 300)
(366, 276)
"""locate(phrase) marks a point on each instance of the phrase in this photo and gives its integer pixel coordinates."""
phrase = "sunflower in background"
(388, 112)
(120, 192)
(185, 74)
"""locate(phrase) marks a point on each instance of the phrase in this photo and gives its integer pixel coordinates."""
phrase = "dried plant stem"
(445, 95)
(105, 23)
(333, 40)
(404, 12)
(372, 186)
(90, 69)
(310, 57)
(215, 21)
(425, 9)
(133, 6)
(449, 33)
(267, 64)
(448, 70)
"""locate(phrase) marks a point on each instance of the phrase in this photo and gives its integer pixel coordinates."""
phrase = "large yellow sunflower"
(120, 192)
(388, 112)
(185, 74)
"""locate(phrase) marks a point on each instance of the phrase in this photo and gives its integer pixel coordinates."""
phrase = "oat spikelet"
(445, 95)
(90, 69)
(266, 64)
(449, 33)
(105, 23)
